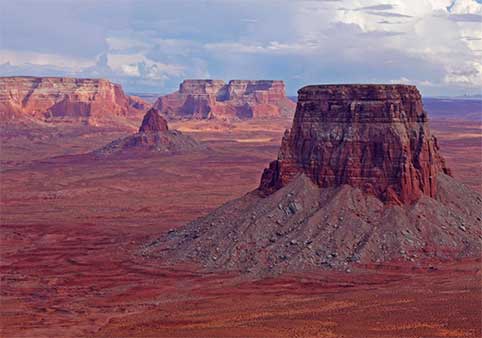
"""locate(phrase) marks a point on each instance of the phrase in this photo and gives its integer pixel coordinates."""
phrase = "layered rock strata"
(372, 137)
(359, 181)
(57, 99)
(239, 99)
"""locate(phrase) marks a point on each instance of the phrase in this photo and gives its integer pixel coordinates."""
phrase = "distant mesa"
(239, 99)
(72, 100)
(138, 105)
(359, 179)
(153, 136)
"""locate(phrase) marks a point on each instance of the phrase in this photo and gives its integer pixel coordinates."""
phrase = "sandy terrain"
(72, 226)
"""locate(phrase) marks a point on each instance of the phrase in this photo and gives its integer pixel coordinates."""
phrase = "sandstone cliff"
(239, 99)
(373, 137)
(359, 180)
(55, 99)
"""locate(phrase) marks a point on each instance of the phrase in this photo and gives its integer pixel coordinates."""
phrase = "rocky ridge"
(72, 100)
(239, 99)
(359, 180)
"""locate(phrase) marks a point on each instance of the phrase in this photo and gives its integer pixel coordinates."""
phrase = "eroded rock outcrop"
(372, 137)
(239, 99)
(153, 122)
(359, 181)
(57, 99)
(153, 136)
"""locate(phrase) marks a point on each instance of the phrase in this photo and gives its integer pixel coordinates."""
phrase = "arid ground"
(72, 227)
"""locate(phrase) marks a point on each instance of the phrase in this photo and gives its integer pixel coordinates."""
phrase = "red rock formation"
(322, 204)
(202, 99)
(154, 136)
(52, 99)
(153, 122)
(373, 137)
(137, 103)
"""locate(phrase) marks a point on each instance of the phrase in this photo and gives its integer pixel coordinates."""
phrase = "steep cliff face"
(241, 99)
(358, 180)
(373, 137)
(53, 99)
(153, 122)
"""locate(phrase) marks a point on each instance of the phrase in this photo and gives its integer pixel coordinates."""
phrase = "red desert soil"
(71, 227)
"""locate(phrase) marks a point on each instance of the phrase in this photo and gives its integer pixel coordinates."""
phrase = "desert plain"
(72, 227)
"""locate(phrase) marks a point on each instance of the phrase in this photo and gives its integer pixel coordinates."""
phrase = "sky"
(152, 45)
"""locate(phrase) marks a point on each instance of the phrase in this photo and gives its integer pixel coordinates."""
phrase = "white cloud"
(17, 58)
(139, 65)
(402, 80)
(436, 44)
(467, 74)
(117, 64)
(272, 47)
(466, 7)
(429, 33)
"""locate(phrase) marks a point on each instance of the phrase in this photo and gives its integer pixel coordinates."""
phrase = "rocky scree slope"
(358, 180)
(153, 136)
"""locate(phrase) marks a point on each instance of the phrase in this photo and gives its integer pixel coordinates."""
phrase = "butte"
(153, 136)
(359, 179)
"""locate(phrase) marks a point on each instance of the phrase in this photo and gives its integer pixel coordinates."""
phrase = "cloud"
(386, 22)
(468, 74)
(381, 7)
(465, 7)
(402, 80)
(389, 14)
(152, 46)
(49, 27)
(272, 47)
(70, 63)
(466, 17)
(138, 65)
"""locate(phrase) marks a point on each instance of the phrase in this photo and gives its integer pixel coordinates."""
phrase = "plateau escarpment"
(359, 180)
(153, 136)
(239, 99)
(57, 99)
